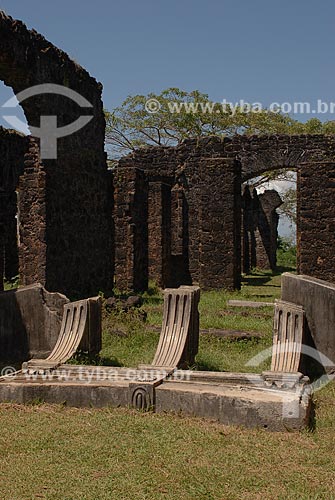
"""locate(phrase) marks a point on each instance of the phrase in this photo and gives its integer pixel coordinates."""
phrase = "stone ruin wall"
(313, 157)
(316, 220)
(193, 214)
(65, 204)
(12, 150)
(259, 229)
(177, 210)
(193, 231)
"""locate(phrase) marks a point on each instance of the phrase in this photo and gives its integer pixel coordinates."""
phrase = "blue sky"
(235, 49)
(260, 51)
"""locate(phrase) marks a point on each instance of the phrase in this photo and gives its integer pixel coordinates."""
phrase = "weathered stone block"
(30, 321)
(317, 297)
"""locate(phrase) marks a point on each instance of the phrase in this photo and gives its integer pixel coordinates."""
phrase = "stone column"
(32, 218)
(267, 228)
(316, 220)
(131, 229)
(2, 257)
(3, 204)
(159, 232)
(220, 236)
(247, 229)
(11, 240)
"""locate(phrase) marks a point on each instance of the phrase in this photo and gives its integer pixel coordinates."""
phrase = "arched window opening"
(269, 222)
(12, 144)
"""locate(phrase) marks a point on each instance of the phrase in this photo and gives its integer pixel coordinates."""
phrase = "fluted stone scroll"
(287, 337)
(177, 347)
(179, 338)
(81, 328)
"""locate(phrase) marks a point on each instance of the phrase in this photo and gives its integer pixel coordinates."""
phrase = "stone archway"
(259, 154)
(65, 203)
(214, 169)
(313, 156)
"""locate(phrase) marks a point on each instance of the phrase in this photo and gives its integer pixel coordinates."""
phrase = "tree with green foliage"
(286, 252)
(173, 115)
(167, 118)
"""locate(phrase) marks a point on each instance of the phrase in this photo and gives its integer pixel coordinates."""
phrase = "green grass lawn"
(128, 341)
(59, 453)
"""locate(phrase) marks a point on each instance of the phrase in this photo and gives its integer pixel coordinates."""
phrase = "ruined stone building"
(173, 214)
(64, 205)
(178, 210)
(12, 147)
(259, 229)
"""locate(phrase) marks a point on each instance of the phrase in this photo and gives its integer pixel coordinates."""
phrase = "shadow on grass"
(205, 366)
(260, 278)
(83, 358)
(106, 361)
(284, 269)
(152, 300)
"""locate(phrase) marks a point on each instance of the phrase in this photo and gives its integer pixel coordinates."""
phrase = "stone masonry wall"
(177, 216)
(11, 247)
(32, 218)
(131, 232)
(193, 199)
(267, 233)
(316, 220)
(12, 150)
(159, 231)
(66, 242)
(199, 242)
(260, 229)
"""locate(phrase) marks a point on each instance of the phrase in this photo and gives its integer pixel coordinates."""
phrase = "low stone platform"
(249, 303)
(276, 400)
(273, 401)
